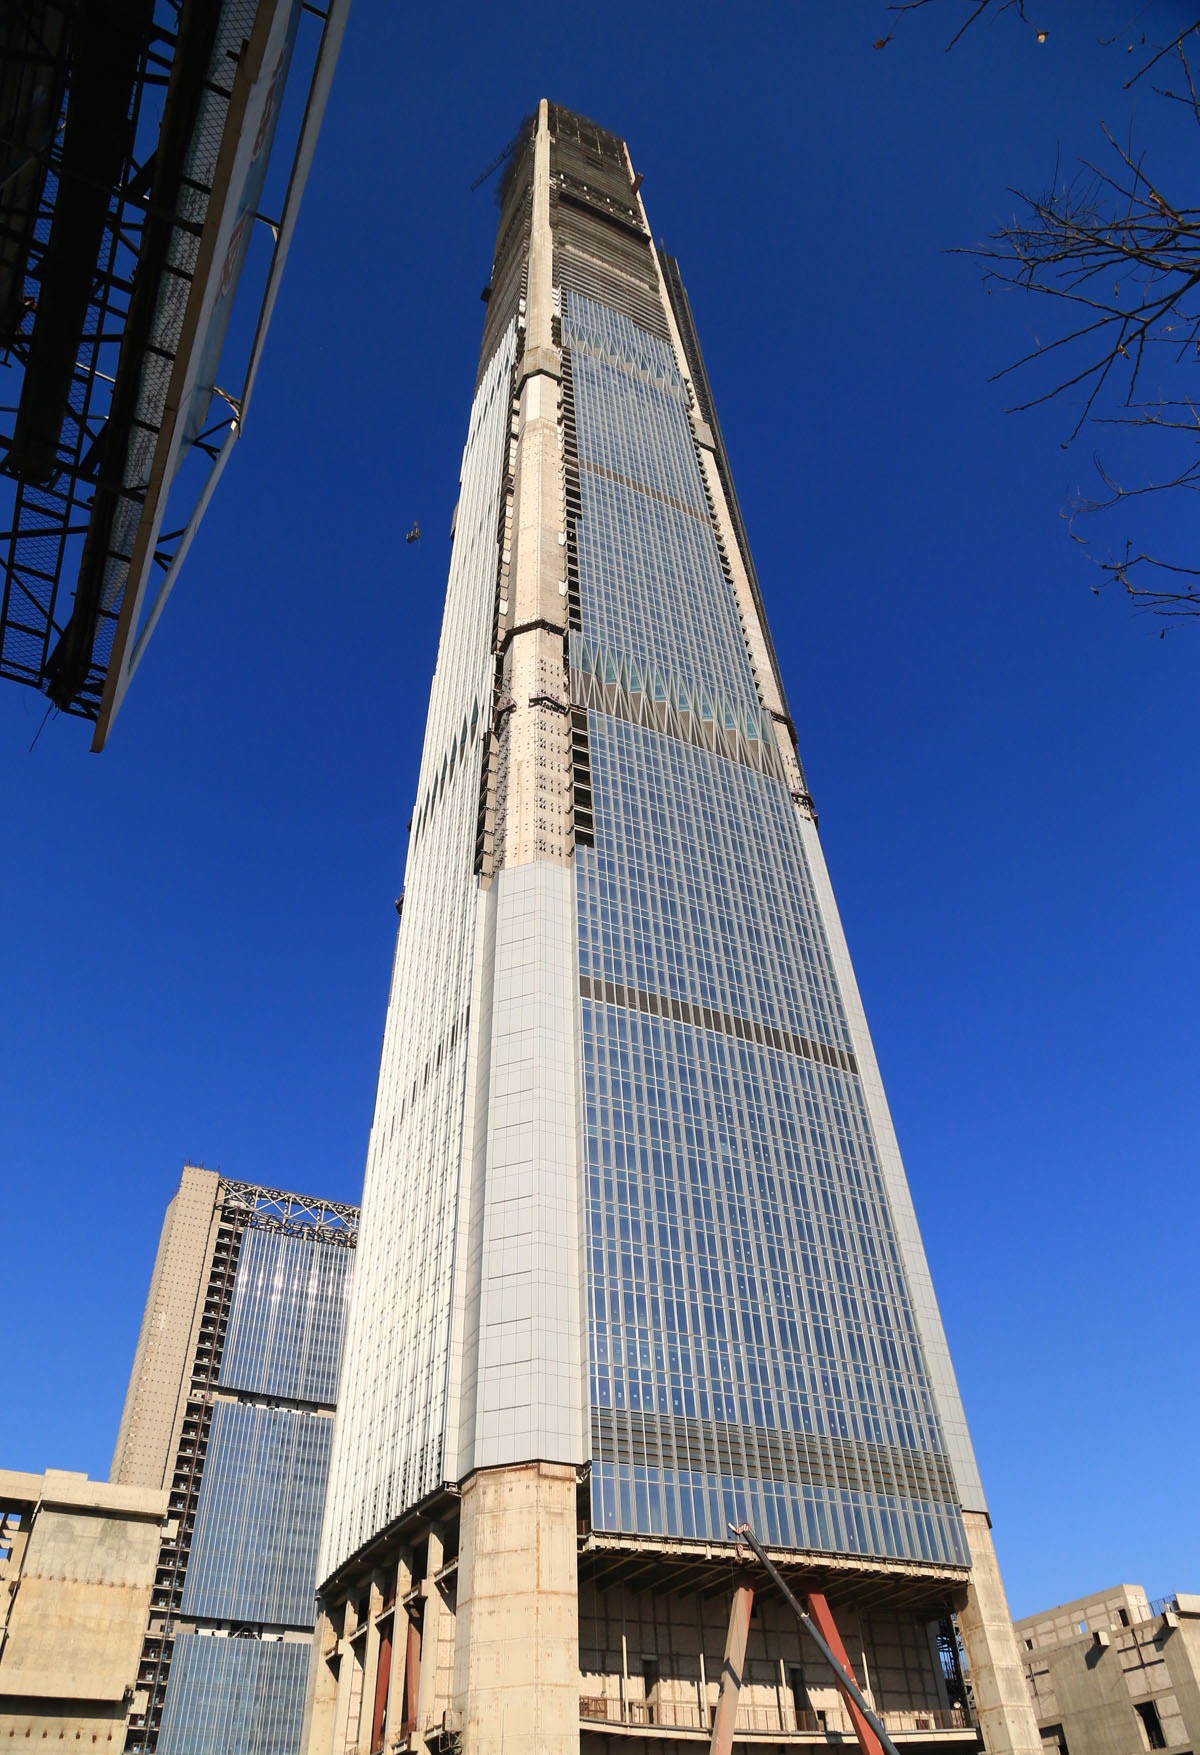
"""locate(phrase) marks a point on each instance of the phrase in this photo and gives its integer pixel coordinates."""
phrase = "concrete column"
(397, 1713)
(370, 1666)
(320, 1706)
(427, 1710)
(346, 1667)
(534, 794)
(733, 1668)
(527, 1394)
(539, 302)
(995, 1671)
(516, 1655)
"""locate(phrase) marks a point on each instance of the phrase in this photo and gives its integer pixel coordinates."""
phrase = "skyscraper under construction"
(638, 1258)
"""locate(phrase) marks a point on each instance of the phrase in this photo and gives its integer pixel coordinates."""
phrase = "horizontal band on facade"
(641, 708)
(699, 513)
(680, 1011)
(539, 625)
(598, 274)
(287, 1404)
(597, 209)
(704, 1447)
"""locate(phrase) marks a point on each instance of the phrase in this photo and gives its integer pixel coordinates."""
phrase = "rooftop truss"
(274, 1209)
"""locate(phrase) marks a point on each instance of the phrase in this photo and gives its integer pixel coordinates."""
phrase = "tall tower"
(638, 1258)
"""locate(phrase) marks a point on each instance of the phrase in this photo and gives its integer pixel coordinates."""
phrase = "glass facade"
(254, 1551)
(753, 1348)
(252, 1564)
(238, 1696)
(288, 1318)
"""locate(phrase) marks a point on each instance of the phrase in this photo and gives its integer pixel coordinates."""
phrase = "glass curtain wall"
(753, 1350)
(238, 1675)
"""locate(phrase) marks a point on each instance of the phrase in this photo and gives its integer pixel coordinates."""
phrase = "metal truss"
(42, 541)
(273, 1209)
(109, 329)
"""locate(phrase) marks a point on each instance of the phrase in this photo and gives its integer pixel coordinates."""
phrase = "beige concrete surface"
(146, 1439)
(74, 1593)
(1002, 1699)
(1111, 1676)
(516, 1669)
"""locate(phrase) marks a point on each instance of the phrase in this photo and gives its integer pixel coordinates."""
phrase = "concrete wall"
(516, 1669)
(998, 1682)
(158, 1382)
(74, 1594)
(1124, 1605)
(1087, 1685)
(656, 1656)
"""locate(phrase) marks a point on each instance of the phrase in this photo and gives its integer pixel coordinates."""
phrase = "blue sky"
(198, 924)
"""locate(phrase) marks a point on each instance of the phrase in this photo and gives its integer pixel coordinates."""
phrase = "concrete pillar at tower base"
(997, 1677)
(516, 1660)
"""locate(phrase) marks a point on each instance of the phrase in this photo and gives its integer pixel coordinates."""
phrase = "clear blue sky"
(198, 924)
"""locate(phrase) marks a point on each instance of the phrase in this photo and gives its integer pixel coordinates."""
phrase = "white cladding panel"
(520, 1391)
(391, 1424)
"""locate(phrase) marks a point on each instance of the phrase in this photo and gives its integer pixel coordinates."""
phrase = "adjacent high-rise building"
(229, 1410)
(638, 1257)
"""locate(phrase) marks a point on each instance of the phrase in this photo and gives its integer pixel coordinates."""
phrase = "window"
(1054, 1740)
(650, 1687)
(799, 1693)
(1152, 1729)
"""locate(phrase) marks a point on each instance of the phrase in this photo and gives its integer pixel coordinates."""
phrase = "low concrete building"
(77, 1563)
(1114, 1674)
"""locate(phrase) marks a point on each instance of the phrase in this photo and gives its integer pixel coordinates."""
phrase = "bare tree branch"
(978, 8)
(1116, 257)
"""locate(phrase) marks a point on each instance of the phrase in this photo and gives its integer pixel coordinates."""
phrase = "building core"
(638, 1257)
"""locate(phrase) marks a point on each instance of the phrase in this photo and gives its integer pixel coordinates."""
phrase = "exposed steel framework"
(272, 1209)
(128, 138)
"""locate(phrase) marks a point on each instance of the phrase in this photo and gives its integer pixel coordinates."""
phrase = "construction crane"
(490, 169)
(821, 1629)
